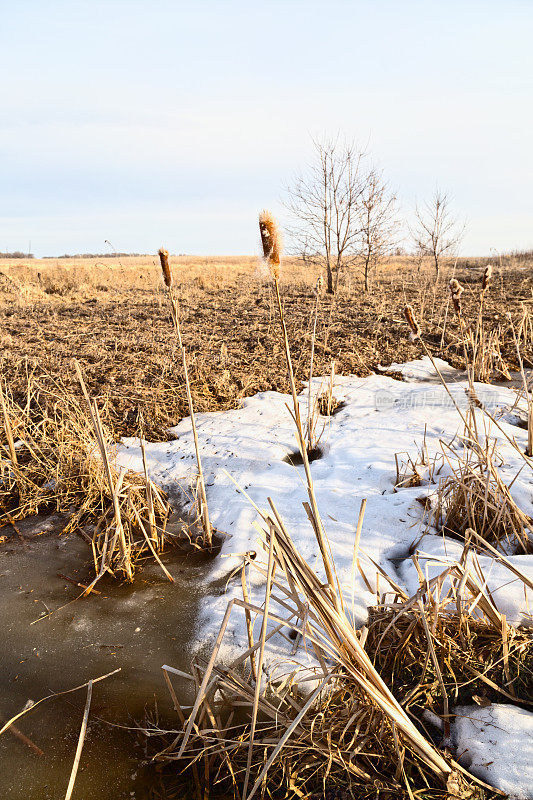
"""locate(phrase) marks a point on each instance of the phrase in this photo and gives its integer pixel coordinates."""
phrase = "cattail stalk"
(174, 305)
(310, 442)
(412, 322)
(271, 242)
(478, 345)
(165, 267)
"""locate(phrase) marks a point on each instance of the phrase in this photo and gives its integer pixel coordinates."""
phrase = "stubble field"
(114, 318)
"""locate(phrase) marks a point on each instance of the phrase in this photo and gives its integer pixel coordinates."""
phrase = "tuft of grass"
(65, 462)
(358, 719)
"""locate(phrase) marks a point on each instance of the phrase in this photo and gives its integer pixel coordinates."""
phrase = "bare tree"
(437, 233)
(378, 222)
(325, 204)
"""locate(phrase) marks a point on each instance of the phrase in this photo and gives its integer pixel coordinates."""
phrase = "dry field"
(114, 318)
(112, 325)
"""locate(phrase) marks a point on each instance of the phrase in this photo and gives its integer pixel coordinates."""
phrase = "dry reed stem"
(24, 711)
(349, 737)
(81, 739)
(264, 622)
(7, 428)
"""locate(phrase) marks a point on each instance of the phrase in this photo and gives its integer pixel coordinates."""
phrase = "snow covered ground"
(496, 744)
(380, 416)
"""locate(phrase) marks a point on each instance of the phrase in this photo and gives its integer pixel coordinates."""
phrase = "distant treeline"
(98, 255)
(16, 254)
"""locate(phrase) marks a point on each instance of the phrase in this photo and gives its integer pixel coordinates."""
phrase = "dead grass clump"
(354, 728)
(326, 403)
(60, 456)
(474, 659)
(347, 729)
(59, 284)
(474, 496)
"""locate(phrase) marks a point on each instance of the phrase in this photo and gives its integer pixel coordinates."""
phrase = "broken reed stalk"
(149, 498)
(81, 739)
(330, 389)
(28, 709)
(456, 290)
(271, 241)
(204, 510)
(530, 428)
(257, 691)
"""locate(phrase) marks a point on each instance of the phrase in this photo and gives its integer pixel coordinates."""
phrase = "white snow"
(496, 744)
(380, 416)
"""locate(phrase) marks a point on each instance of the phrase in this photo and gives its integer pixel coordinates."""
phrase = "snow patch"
(496, 744)
(380, 417)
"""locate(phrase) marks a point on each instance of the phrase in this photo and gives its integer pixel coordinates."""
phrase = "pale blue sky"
(149, 122)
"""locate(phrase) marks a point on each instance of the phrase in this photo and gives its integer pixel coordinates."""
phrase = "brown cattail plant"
(456, 291)
(271, 241)
(201, 493)
(487, 277)
(411, 321)
(319, 284)
(165, 267)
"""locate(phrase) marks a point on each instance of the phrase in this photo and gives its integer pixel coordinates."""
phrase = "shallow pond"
(136, 628)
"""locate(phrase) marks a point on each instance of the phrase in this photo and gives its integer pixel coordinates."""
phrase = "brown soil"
(116, 321)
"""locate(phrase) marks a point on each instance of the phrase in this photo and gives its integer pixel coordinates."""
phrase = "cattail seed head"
(271, 241)
(319, 284)
(487, 277)
(165, 267)
(456, 291)
(411, 321)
